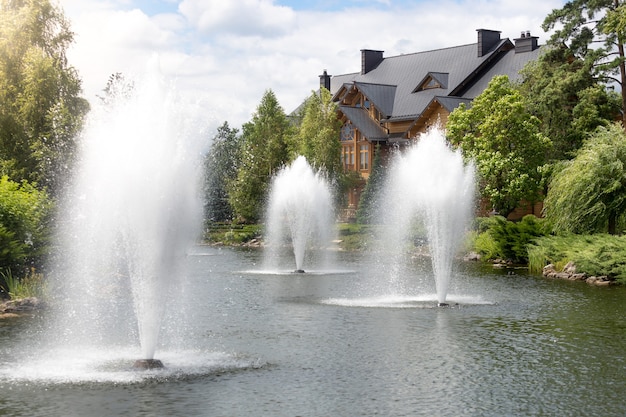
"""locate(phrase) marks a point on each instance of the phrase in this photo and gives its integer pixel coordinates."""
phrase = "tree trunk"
(612, 223)
(622, 72)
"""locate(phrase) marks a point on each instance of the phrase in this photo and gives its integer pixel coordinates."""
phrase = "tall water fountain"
(300, 214)
(133, 211)
(431, 189)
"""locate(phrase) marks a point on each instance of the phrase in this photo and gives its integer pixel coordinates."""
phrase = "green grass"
(232, 234)
(31, 285)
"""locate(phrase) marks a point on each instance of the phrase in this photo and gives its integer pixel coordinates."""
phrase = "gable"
(433, 80)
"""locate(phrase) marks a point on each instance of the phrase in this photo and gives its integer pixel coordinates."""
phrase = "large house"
(393, 99)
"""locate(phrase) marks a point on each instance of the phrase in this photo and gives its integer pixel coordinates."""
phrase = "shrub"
(600, 254)
(508, 240)
(25, 214)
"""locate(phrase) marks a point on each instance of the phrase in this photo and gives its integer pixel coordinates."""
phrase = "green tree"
(589, 192)
(567, 99)
(369, 203)
(25, 213)
(592, 32)
(504, 140)
(265, 149)
(221, 164)
(40, 108)
(317, 135)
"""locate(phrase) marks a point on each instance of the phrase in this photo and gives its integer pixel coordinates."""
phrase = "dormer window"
(433, 80)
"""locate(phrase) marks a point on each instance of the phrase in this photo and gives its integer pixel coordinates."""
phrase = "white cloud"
(241, 17)
(225, 54)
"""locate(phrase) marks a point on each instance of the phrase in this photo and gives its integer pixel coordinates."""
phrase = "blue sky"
(226, 54)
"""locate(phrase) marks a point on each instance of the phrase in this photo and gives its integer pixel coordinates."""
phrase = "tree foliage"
(589, 192)
(265, 149)
(591, 32)
(504, 141)
(24, 230)
(221, 164)
(40, 108)
(567, 99)
(318, 133)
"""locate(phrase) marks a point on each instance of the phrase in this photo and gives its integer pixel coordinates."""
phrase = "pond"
(313, 344)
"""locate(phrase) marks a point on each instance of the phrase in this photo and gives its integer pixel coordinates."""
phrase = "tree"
(41, 112)
(589, 192)
(566, 98)
(265, 149)
(221, 164)
(504, 141)
(592, 31)
(318, 132)
(369, 206)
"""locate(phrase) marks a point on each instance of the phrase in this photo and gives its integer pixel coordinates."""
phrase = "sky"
(224, 54)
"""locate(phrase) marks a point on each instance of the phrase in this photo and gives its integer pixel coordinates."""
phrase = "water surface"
(263, 344)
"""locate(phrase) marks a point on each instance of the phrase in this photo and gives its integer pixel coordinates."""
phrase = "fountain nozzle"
(148, 364)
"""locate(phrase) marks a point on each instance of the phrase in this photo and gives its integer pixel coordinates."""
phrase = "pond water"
(322, 344)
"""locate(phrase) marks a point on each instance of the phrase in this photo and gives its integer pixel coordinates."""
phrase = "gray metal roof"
(381, 95)
(361, 120)
(459, 68)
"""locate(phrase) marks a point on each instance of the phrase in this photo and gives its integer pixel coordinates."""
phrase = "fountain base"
(148, 364)
(299, 271)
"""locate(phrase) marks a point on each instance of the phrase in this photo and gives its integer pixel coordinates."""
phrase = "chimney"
(487, 39)
(526, 43)
(370, 60)
(325, 81)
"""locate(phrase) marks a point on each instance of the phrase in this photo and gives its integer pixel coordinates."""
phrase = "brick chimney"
(325, 81)
(526, 43)
(370, 60)
(487, 39)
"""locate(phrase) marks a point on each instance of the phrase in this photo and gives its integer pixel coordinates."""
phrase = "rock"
(23, 305)
(472, 256)
(601, 281)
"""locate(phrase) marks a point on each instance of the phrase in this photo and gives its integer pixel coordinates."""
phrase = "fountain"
(131, 214)
(300, 212)
(431, 186)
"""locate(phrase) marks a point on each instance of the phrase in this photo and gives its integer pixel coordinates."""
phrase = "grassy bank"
(599, 255)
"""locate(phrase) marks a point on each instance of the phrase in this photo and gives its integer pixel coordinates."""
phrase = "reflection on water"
(327, 344)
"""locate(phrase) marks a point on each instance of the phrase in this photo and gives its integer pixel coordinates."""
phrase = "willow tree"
(40, 108)
(504, 140)
(589, 193)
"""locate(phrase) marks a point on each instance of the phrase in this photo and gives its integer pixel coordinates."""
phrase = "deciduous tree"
(265, 149)
(318, 133)
(504, 140)
(40, 108)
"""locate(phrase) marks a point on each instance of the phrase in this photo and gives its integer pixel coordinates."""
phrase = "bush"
(25, 214)
(503, 239)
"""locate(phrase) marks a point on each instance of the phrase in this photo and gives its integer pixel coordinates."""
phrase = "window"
(364, 156)
(348, 157)
(347, 132)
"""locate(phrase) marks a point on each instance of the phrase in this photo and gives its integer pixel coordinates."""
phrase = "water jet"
(131, 213)
(299, 216)
(430, 186)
